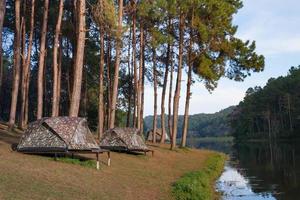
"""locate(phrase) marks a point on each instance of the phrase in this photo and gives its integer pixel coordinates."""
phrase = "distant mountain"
(200, 125)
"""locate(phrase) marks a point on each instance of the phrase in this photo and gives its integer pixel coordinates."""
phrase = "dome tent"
(59, 135)
(124, 139)
(157, 136)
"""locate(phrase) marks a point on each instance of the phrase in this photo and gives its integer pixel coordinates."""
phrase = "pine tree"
(76, 91)
(41, 63)
(178, 81)
(17, 58)
(56, 69)
(117, 66)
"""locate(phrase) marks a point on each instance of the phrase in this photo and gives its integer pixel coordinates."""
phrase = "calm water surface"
(258, 170)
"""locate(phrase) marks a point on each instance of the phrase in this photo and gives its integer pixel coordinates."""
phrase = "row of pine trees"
(72, 57)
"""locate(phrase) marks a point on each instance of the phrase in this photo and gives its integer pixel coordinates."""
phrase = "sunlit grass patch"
(199, 185)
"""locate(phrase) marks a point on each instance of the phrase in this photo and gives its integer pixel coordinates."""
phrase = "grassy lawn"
(128, 177)
(199, 185)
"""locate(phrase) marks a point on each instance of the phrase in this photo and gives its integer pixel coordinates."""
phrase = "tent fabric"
(158, 135)
(124, 139)
(57, 133)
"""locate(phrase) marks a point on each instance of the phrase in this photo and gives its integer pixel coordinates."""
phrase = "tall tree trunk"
(142, 89)
(59, 71)
(130, 84)
(76, 91)
(27, 68)
(108, 64)
(163, 96)
(40, 79)
(178, 82)
(101, 87)
(170, 99)
(117, 65)
(142, 103)
(74, 39)
(155, 97)
(46, 97)
(140, 81)
(188, 88)
(187, 105)
(17, 57)
(135, 73)
(84, 102)
(23, 67)
(2, 14)
(55, 93)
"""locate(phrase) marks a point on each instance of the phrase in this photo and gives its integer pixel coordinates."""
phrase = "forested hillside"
(201, 125)
(270, 112)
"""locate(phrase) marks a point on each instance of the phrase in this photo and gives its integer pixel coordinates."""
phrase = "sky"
(274, 25)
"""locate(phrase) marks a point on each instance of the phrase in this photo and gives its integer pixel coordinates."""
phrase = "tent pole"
(97, 155)
(108, 161)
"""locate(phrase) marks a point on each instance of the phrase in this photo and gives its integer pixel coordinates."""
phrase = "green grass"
(75, 161)
(199, 185)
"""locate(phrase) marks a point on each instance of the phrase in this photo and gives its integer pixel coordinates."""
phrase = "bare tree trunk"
(178, 82)
(17, 57)
(155, 97)
(163, 97)
(101, 87)
(135, 73)
(76, 91)
(59, 66)
(23, 67)
(108, 64)
(188, 88)
(46, 109)
(26, 69)
(84, 102)
(187, 105)
(55, 100)
(2, 15)
(130, 84)
(28, 60)
(170, 100)
(74, 39)
(117, 65)
(142, 88)
(142, 104)
(140, 81)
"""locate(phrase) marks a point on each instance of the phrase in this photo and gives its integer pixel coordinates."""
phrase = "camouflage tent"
(123, 139)
(58, 134)
(158, 135)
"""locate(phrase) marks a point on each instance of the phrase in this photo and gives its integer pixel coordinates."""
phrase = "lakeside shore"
(129, 176)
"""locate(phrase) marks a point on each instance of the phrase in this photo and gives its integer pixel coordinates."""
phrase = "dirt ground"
(129, 176)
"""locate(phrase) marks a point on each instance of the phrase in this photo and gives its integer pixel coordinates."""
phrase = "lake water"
(258, 170)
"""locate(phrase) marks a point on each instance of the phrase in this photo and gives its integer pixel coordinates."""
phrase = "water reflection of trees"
(275, 167)
(221, 146)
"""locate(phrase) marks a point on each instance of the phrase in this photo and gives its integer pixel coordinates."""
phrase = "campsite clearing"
(129, 176)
